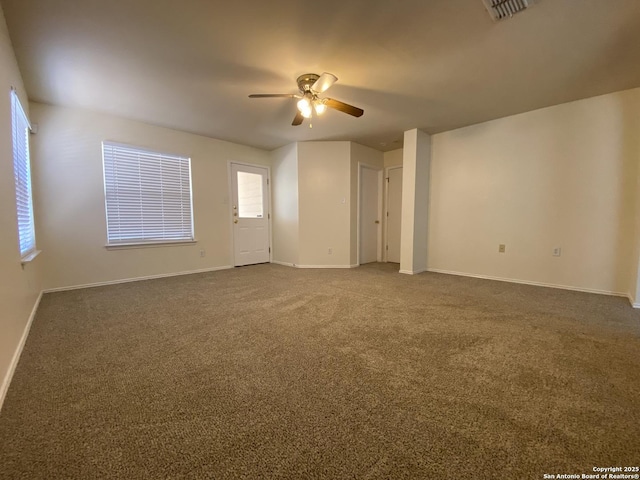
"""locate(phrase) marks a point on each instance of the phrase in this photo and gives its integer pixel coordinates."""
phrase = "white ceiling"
(434, 65)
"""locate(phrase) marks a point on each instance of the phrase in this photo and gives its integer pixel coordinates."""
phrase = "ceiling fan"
(310, 86)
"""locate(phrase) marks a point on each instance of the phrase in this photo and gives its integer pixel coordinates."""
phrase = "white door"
(369, 219)
(394, 213)
(250, 212)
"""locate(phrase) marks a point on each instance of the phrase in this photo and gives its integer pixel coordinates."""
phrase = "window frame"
(22, 178)
(140, 242)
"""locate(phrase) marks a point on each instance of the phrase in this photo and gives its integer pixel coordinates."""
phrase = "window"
(147, 194)
(22, 171)
(250, 195)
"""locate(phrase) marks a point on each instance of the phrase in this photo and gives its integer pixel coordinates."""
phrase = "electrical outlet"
(502, 248)
(330, 251)
(203, 253)
(557, 251)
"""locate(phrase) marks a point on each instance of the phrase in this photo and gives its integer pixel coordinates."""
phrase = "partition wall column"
(416, 159)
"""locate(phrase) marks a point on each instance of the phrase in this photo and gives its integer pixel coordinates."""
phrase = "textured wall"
(19, 286)
(70, 208)
(563, 176)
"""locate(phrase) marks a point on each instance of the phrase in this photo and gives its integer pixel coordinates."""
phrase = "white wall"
(20, 286)
(284, 190)
(69, 192)
(360, 155)
(393, 158)
(315, 190)
(324, 184)
(416, 160)
(563, 176)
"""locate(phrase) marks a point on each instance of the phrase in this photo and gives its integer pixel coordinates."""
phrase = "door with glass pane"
(250, 212)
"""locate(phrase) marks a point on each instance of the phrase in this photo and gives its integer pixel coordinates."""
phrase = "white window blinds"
(22, 172)
(148, 196)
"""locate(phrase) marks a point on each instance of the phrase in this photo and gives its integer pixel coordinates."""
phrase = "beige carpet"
(273, 372)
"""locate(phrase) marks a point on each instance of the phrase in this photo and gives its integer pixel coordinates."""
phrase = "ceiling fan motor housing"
(310, 86)
(306, 81)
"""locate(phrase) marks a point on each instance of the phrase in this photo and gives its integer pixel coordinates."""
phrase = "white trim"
(286, 264)
(380, 172)
(412, 272)
(632, 302)
(126, 246)
(30, 257)
(294, 265)
(380, 213)
(135, 279)
(326, 266)
(536, 284)
(4, 388)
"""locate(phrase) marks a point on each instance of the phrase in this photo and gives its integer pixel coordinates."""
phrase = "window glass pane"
(250, 195)
(22, 173)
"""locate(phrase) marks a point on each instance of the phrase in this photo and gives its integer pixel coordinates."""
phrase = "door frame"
(386, 209)
(380, 171)
(229, 201)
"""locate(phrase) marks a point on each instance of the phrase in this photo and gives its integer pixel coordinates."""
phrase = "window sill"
(126, 246)
(29, 257)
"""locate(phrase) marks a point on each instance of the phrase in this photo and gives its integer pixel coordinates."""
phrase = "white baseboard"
(286, 264)
(295, 265)
(16, 355)
(527, 282)
(326, 266)
(135, 279)
(632, 302)
(412, 272)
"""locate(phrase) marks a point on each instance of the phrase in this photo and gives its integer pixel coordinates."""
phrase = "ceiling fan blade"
(273, 95)
(297, 120)
(324, 82)
(343, 107)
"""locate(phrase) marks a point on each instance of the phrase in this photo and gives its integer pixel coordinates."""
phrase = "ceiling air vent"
(502, 9)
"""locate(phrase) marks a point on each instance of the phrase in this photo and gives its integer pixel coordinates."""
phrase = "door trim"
(232, 253)
(384, 213)
(380, 171)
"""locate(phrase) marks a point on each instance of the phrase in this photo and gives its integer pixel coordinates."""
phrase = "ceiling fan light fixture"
(304, 104)
(310, 86)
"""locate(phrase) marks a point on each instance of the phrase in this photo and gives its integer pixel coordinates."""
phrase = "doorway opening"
(250, 214)
(370, 215)
(393, 214)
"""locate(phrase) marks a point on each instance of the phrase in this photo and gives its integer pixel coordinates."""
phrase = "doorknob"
(377, 221)
(235, 221)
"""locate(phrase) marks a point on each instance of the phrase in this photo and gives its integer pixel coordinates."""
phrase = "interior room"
(357, 239)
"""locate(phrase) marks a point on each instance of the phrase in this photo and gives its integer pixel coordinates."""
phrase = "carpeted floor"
(274, 372)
